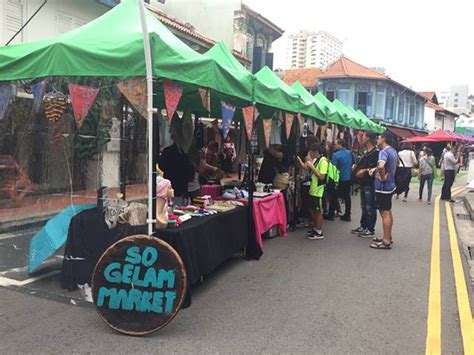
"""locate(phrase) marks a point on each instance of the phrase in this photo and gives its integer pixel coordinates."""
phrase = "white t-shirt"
(408, 157)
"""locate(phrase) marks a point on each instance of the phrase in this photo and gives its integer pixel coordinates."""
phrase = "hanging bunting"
(288, 123)
(173, 92)
(38, 90)
(227, 115)
(55, 104)
(7, 92)
(135, 91)
(301, 123)
(267, 130)
(82, 98)
(248, 113)
(205, 98)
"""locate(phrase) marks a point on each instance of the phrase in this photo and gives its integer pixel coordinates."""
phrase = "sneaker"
(366, 233)
(405, 200)
(346, 218)
(358, 230)
(315, 236)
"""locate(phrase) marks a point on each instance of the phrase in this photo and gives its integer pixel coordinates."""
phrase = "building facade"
(458, 98)
(437, 117)
(377, 95)
(55, 17)
(232, 22)
(312, 49)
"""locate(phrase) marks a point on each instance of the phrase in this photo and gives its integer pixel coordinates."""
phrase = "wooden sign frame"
(139, 285)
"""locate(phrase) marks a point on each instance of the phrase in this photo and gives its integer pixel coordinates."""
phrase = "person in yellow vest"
(318, 165)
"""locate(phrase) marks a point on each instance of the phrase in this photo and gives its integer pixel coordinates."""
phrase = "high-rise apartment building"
(457, 99)
(312, 49)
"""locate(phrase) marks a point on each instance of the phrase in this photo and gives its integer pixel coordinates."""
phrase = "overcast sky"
(426, 45)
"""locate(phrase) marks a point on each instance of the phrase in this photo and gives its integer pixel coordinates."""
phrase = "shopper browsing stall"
(319, 171)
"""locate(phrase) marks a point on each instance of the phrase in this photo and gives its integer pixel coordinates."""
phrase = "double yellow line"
(433, 336)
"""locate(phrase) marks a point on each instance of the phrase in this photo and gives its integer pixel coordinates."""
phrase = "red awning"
(418, 139)
(442, 136)
(419, 133)
(401, 132)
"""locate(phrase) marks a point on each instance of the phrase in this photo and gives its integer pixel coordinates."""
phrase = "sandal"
(381, 245)
(380, 239)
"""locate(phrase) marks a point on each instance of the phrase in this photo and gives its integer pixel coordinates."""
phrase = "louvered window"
(13, 19)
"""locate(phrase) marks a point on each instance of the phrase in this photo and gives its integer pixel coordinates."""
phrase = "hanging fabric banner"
(173, 92)
(301, 123)
(82, 98)
(227, 116)
(205, 98)
(267, 130)
(248, 113)
(38, 90)
(7, 91)
(288, 123)
(135, 91)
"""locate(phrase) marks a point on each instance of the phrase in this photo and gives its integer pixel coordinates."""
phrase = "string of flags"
(134, 89)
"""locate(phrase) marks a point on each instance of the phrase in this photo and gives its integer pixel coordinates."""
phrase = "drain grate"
(463, 216)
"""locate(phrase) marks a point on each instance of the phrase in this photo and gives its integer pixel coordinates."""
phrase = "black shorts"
(383, 201)
(315, 203)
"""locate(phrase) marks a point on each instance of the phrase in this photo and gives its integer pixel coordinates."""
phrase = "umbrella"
(53, 235)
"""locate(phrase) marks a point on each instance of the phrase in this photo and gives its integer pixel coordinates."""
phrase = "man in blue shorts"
(384, 188)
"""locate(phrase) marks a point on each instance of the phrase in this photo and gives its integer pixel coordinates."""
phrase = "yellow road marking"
(464, 308)
(433, 334)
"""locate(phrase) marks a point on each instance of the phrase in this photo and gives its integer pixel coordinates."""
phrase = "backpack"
(332, 177)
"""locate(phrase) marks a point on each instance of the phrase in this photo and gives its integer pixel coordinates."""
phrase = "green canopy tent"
(367, 123)
(112, 46)
(309, 107)
(272, 92)
(332, 114)
(351, 119)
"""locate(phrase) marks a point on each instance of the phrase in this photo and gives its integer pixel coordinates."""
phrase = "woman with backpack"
(427, 173)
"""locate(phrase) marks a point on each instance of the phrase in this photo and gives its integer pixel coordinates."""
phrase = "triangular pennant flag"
(82, 98)
(135, 91)
(173, 92)
(267, 130)
(38, 90)
(288, 123)
(205, 98)
(301, 123)
(227, 116)
(248, 113)
(7, 91)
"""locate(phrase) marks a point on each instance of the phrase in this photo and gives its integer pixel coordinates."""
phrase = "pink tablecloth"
(268, 212)
(212, 190)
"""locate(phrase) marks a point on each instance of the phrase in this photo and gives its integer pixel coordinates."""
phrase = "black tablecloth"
(203, 243)
(206, 242)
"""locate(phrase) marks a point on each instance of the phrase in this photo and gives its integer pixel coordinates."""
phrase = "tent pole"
(149, 87)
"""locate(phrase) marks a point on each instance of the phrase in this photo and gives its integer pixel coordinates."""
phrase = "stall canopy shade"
(308, 105)
(271, 91)
(112, 46)
(331, 113)
(441, 136)
(349, 119)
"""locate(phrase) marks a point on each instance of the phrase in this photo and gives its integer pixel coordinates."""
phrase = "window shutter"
(63, 22)
(13, 19)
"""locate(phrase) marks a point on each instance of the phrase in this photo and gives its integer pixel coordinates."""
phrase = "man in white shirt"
(407, 161)
(450, 166)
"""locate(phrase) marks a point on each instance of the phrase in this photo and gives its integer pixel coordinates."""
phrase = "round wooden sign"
(139, 284)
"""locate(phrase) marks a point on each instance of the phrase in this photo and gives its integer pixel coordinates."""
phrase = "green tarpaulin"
(308, 105)
(112, 46)
(272, 92)
(332, 114)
